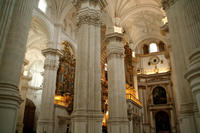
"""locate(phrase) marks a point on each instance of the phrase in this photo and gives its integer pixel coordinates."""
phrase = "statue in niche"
(128, 65)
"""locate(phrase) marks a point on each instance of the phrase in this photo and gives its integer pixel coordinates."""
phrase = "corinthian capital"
(167, 3)
(52, 58)
(114, 45)
(89, 16)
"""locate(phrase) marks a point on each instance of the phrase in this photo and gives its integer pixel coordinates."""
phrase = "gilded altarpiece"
(65, 79)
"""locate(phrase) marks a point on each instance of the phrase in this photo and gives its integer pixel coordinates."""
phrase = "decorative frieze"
(168, 3)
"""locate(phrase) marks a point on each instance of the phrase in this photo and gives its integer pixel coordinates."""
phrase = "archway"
(159, 95)
(29, 115)
(162, 122)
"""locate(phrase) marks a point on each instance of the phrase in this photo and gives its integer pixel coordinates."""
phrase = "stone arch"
(48, 26)
(141, 40)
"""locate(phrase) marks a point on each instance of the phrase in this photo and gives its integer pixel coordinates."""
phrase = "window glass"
(153, 48)
(42, 5)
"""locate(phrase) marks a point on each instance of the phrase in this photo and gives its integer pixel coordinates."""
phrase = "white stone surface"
(14, 42)
(46, 116)
(118, 121)
(87, 115)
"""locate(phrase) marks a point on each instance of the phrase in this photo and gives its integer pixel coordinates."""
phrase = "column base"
(9, 104)
(117, 125)
(186, 118)
(45, 126)
(87, 122)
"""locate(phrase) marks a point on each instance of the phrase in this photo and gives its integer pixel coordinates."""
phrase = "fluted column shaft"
(14, 41)
(6, 12)
(178, 41)
(46, 116)
(87, 115)
(118, 122)
(191, 11)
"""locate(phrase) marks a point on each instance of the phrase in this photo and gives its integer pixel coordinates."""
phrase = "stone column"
(130, 126)
(12, 60)
(192, 19)
(152, 122)
(46, 116)
(87, 115)
(6, 12)
(173, 125)
(118, 122)
(23, 87)
(135, 81)
(192, 22)
(179, 39)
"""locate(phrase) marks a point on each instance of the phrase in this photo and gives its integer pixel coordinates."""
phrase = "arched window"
(153, 48)
(36, 72)
(159, 95)
(42, 5)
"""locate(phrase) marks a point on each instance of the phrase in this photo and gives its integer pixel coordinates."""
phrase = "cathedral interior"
(99, 66)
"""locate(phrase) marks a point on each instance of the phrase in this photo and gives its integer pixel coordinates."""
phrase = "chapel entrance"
(162, 122)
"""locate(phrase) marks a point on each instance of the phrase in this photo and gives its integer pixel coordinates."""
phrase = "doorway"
(162, 122)
(29, 115)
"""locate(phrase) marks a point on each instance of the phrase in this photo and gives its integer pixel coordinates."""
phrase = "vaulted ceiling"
(139, 18)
